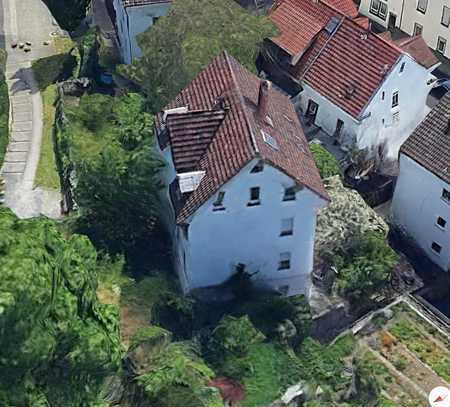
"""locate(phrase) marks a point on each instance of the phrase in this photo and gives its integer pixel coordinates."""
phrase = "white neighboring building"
(361, 88)
(430, 18)
(243, 188)
(133, 17)
(421, 203)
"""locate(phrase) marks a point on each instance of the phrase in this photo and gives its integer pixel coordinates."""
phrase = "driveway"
(26, 21)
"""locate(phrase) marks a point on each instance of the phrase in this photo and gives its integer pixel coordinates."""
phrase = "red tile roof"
(238, 138)
(429, 145)
(417, 48)
(347, 65)
(136, 3)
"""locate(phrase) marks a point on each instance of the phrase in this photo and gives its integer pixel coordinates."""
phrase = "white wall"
(219, 240)
(376, 121)
(131, 22)
(430, 21)
(416, 206)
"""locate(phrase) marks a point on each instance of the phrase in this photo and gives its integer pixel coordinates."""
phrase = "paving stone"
(21, 136)
(25, 116)
(23, 126)
(18, 146)
(13, 167)
(16, 93)
(17, 100)
(16, 156)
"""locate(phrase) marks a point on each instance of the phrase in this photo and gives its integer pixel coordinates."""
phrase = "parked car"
(442, 82)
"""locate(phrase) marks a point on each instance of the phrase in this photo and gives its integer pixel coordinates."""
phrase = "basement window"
(436, 248)
(441, 222)
(285, 261)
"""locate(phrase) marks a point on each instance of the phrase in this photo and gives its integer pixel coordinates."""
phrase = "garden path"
(26, 20)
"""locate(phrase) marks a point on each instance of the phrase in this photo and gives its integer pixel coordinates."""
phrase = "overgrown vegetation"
(57, 342)
(108, 143)
(326, 163)
(54, 68)
(47, 173)
(4, 108)
(188, 39)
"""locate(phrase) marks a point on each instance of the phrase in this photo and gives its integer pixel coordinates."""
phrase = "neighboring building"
(133, 17)
(362, 89)
(421, 204)
(429, 18)
(243, 188)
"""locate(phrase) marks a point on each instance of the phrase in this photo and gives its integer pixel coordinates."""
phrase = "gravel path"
(26, 20)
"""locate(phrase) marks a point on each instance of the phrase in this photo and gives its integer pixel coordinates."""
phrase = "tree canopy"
(185, 41)
(68, 13)
(57, 342)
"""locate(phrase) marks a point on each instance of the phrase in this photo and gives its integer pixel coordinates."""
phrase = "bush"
(326, 163)
(366, 267)
(53, 69)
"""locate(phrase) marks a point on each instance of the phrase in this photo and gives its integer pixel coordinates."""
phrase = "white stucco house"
(363, 89)
(421, 203)
(429, 18)
(242, 186)
(133, 17)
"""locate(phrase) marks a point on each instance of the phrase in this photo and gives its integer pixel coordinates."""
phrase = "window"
(258, 167)
(254, 197)
(289, 194)
(285, 261)
(378, 8)
(445, 20)
(418, 29)
(436, 248)
(287, 227)
(218, 203)
(446, 195)
(382, 95)
(395, 99)
(402, 67)
(441, 44)
(395, 117)
(422, 5)
(441, 222)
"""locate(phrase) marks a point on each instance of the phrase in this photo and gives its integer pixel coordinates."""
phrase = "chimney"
(263, 99)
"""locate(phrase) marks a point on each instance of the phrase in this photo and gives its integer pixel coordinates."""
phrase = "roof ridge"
(241, 100)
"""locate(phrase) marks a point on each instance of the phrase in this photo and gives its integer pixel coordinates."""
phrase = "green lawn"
(47, 175)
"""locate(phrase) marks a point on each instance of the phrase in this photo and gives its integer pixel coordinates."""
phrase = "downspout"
(401, 14)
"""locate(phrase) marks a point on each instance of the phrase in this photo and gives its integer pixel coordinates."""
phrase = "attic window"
(332, 25)
(218, 203)
(258, 167)
(289, 194)
(269, 140)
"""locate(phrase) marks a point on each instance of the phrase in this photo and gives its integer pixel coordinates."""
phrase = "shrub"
(54, 68)
(326, 163)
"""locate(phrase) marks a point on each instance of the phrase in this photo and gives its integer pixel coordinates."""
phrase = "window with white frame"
(218, 203)
(395, 99)
(287, 227)
(422, 5)
(378, 8)
(395, 117)
(418, 29)
(445, 20)
(285, 261)
(436, 248)
(289, 194)
(254, 196)
(446, 195)
(441, 45)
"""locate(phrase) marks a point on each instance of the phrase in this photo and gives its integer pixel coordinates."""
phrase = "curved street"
(22, 157)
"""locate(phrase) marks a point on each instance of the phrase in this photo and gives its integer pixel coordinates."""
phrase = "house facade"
(429, 18)
(242, 186)
(364, 89)
(133, 17)
(421, 203)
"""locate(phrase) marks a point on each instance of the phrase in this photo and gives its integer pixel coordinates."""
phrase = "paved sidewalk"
(27, 20)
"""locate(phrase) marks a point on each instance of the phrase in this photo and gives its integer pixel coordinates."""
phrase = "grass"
(47, 174)
(426, 350)
(63, 45)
